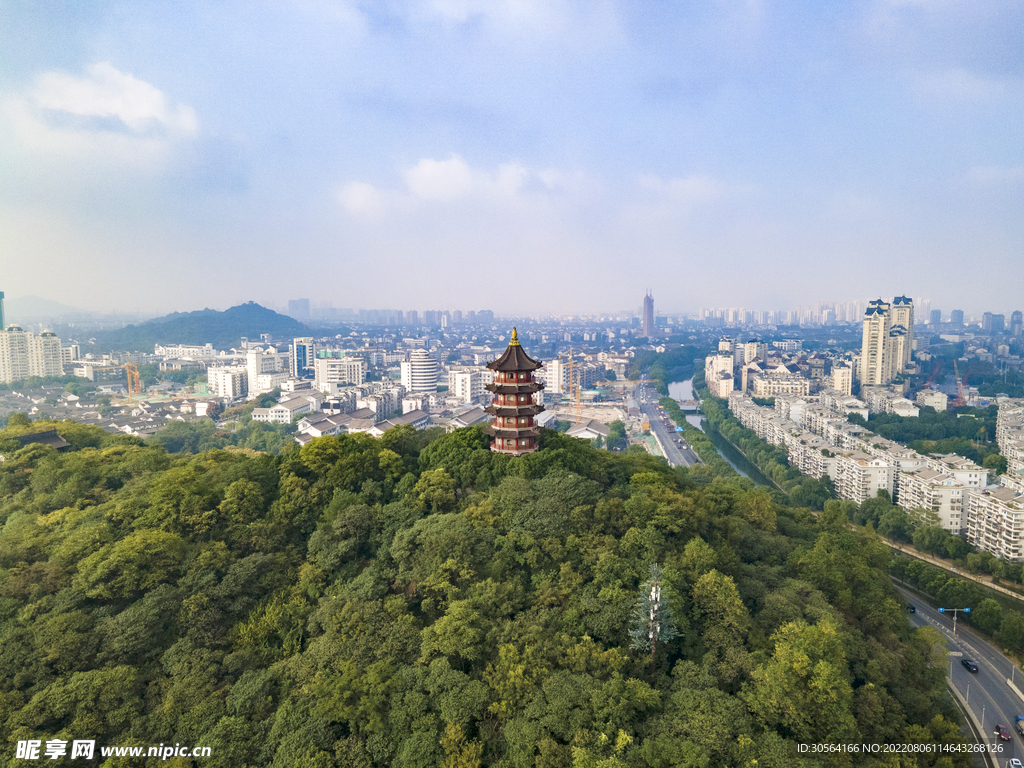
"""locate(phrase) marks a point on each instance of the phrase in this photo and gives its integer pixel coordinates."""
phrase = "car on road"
(1014, 763)
(912, 609)
(1019, 725)
(1003, 732)
(971, 666)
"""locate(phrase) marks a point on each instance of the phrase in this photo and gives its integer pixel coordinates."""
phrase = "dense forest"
(417, 600)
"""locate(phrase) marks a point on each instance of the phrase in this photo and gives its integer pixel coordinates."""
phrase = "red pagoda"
(513, 408)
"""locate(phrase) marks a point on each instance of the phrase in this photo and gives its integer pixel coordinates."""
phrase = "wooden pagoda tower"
(513, 408)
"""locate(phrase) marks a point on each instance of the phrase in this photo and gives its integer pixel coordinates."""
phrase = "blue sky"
(518, 155)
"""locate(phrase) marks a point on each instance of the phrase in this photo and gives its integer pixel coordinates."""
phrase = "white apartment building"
(874, 365)
(260, 367)
(420, 372)
(184, 350)
(285, 412)
(933, 398)
(779, 381)
(842, 379)
(995, 519)
(964, 470)
(937, 492)
(718, 372)
(23, 354)
(860, 476)
(227, 381)
(467, 384)
(339, 371)
(902, 321)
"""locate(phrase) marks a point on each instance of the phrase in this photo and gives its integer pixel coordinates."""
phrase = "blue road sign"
(679, 429)
(967, 610)
(942, 610)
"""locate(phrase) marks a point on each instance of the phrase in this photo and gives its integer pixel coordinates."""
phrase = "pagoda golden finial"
(515, 338)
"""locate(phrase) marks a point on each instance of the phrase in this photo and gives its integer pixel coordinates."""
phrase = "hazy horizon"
(440, 153)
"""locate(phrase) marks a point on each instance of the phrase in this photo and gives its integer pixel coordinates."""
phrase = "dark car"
(971, 666)
(1003, 732)
(912, 609)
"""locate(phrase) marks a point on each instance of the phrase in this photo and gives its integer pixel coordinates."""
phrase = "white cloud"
(109, 93)
(684, 191)
(106, 116)
(448, 181)
(440, 180)
(361, 198)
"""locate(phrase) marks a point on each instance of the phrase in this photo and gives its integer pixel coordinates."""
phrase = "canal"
(683, 390)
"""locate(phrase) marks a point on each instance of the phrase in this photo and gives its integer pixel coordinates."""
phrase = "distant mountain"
(222, 329)
(34, 309)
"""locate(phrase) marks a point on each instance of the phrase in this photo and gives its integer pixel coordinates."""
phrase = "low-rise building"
(932, 398)
(227, 381)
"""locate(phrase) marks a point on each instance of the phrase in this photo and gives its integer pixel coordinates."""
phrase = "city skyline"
(170, 159)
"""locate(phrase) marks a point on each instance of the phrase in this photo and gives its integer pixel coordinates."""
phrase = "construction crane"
(938, 367)
(574, 387)
(134, 381)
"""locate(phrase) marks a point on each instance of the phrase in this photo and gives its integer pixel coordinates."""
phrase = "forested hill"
(222, 329)
(365, 602)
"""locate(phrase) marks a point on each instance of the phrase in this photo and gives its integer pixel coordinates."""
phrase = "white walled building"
(227, 381)
(420, 372)
(23, 354)
(185, 350)
(467, 384)
(933, 398)
(939, 493)
(995, 519)
(342, 371)
(874, 366)
(260, 367)
(842, 379)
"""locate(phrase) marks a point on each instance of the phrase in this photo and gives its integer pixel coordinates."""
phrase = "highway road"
(988, 696)
(677, 455)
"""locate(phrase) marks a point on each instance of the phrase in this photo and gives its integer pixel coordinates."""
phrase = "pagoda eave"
(512, 433)
(526, 388)
(514, 410)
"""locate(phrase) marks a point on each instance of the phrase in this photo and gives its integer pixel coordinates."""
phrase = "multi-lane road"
(988, 696)
(677, 454)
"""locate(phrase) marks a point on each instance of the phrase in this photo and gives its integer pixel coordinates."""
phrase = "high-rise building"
(23, 354)
(419, 372)
(986, 322)
(303, 355)
(298, 308)
(1016, 321)
(936, 317)
(998, 324)
(513, 408)
(648, 316)
(2, 326)
(956, 317)
(874, 365)
(901, 334)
